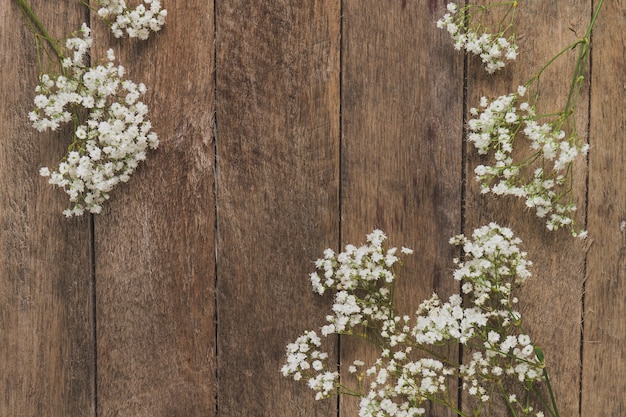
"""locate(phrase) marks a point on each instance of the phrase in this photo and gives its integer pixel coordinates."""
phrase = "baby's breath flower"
(497, 128)
(138, 23)
(109, 142)
(464, 24)
(398, 382)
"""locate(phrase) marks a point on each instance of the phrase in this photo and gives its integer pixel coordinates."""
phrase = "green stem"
(506, 399)
(363, 336)
(596, 13)
(539, 395)
(28, 13)
(551, 61)
(581, 62)
(552, 397)
(450, 406)
(343, 390)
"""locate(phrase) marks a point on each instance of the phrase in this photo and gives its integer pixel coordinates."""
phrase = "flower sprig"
(543, 178)
(409, 372)
(466, 26)
(543, 173)
(136, 23)
(111, 130)
(113, 137)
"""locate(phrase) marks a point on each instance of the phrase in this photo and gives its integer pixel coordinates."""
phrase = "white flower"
(111, 139)
(500, 126)
(493, 337)
(523, 339)
(137, 23)
(473, 37)
(483, 321)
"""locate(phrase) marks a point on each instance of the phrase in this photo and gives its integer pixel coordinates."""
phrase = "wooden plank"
(551, 301)
(604, 351)
(155, 264)
(278, 135)
(401, 147)
(47, 346)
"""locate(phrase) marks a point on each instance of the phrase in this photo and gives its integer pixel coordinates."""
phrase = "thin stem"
(450, 406)
(363, 336)
(551, 61)
(577, 79)
(506, 399)
(343, 390)
(28, 13)
(543, 400)
(596, 13)
(552, 397)
(581, 62)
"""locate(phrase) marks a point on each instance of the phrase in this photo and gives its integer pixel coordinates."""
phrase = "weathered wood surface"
(287, 127)
(278, 152)
(551, 302)
(46, 336)
(604, 348)
(155, 243)
(401, 148)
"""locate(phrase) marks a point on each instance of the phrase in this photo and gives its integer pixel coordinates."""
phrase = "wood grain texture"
(604, 350)
(401, 156)
(330, 118)
(155, 253)
(47, 346)
(551, 302)
(278, 147)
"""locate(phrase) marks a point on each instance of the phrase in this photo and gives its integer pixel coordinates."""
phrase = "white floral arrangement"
(409, 372)
(494, 130)
(111, 129)
(136, 23)
(542, 173)
(465, 26)
(112, 135)
(501, 364)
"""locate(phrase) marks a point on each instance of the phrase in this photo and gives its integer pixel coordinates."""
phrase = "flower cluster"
(305, 360)
(408, 372)
(137, 23)
(467, 31)
(111, 129)
(493, 268)
(354, 271)
(542, 178)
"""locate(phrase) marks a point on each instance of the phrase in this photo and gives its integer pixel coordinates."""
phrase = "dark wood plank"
(277, 141)
(47, 346)
(401, 147)
(604, 350)
(551, 301)
(155, 262)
